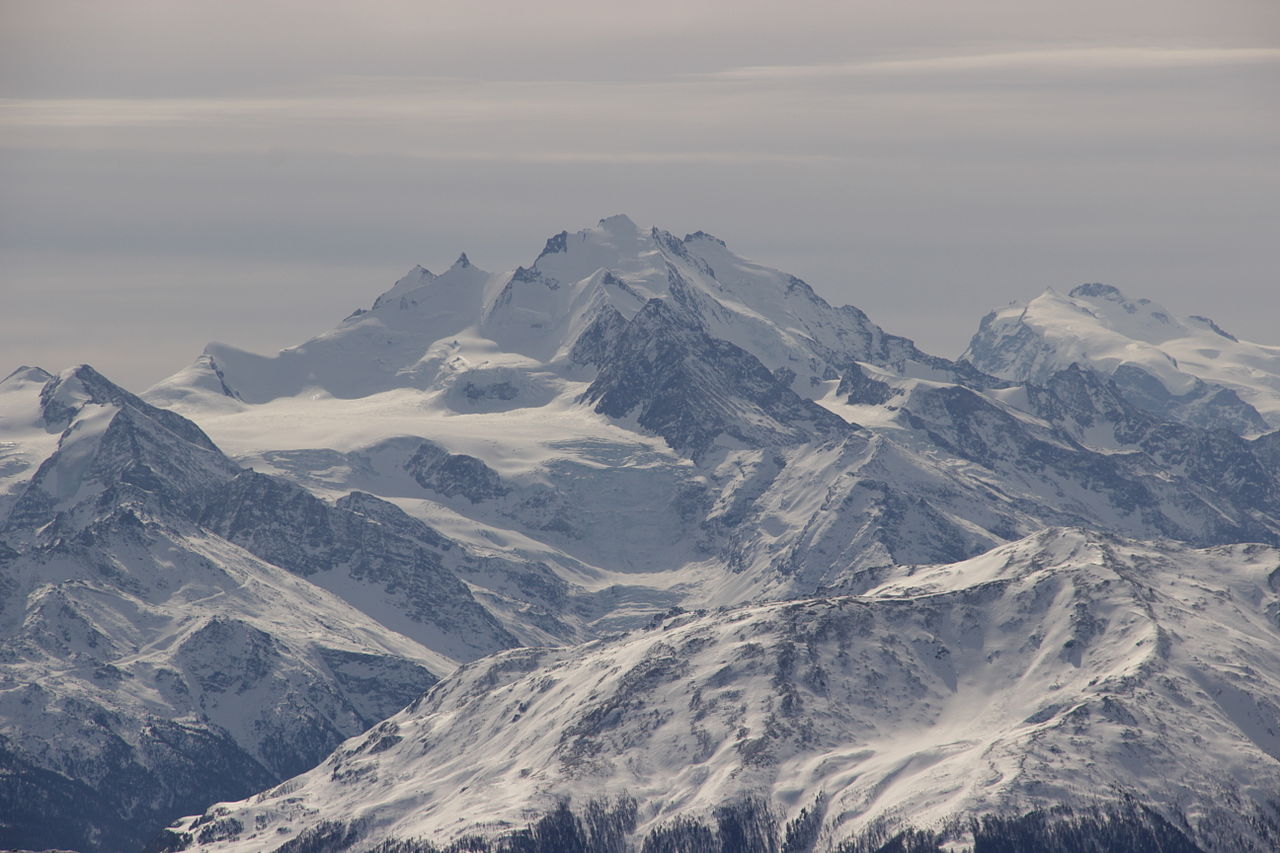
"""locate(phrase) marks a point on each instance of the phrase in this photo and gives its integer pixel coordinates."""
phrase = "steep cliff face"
(692, 389)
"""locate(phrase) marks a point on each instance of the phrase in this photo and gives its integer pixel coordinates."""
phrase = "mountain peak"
(556, 244)
(462, 263)
(619, 224)
(1097, 290)
(64, 396)
(1141, 318)
(412, 280)
(703, 235)
(1214, 327)
(28, 373)
(1184, 370)
(81, 384)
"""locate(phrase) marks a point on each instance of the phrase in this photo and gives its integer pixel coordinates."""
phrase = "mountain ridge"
(803, 698)
(612, 462)
(1189, 370)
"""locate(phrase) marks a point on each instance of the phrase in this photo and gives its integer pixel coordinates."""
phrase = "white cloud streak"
(740, 116)
(1043, 61)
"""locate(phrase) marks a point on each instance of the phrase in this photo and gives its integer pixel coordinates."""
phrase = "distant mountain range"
(646, 546)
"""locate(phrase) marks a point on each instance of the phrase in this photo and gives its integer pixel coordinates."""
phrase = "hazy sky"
(177, 172)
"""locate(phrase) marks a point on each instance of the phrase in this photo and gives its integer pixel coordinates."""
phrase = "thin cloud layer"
(922, 166)
(1043, 61)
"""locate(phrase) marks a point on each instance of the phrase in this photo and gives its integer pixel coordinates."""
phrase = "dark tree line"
(752, 825)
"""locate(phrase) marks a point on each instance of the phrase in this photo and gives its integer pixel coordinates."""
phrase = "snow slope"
(146, 664)
(24, 440)
(1184, 367)
(176, 629)
(1065, 667)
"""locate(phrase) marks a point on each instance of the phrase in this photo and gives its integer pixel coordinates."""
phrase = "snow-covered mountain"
(1067, 667)
(495, 341)
(528, 473)
(177, 629)
(1187, 369)
(625, 365)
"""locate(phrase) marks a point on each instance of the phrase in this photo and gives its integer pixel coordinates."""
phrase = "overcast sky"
(177, 172)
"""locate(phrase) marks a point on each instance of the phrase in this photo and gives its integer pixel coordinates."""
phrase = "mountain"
(1186, 369)
(723, 560)
(626, 364)
(495, 341)
(1066, 667)
(169, 633)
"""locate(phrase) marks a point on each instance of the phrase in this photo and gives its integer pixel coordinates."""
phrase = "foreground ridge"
(1065, 668)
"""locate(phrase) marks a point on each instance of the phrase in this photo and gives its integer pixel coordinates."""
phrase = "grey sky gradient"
(176, 172)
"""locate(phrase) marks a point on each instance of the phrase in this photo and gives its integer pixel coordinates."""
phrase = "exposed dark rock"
(860, 389)
(691, 388)
(452, 474)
